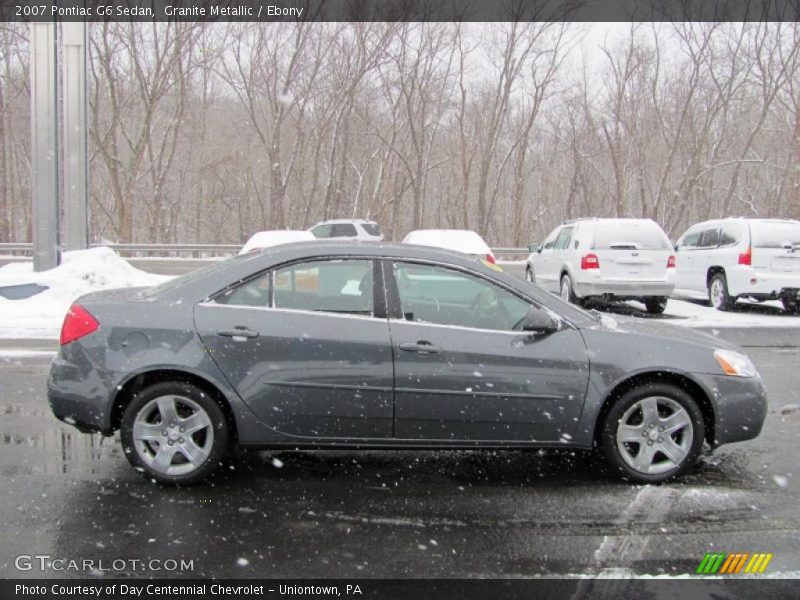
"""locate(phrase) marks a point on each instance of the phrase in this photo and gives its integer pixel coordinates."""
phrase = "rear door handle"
(238, 332)
(422, 347)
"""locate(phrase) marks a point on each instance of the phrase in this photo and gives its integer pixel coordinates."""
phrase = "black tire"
(791, 305)
(566, 291)
(189, 400)
(688, 439)
(655, 305)
(529, 276)
(718, 296)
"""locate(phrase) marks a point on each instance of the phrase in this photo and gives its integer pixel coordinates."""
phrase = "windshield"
(775, 234)
(630, 235)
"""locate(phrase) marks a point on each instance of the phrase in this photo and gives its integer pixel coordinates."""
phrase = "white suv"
(354, 229)
(727, 259)
(619, 259)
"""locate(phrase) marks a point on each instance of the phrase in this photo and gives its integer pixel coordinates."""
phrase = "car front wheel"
(791, 306)
(174, 433)
(529, 277)
(652, 433)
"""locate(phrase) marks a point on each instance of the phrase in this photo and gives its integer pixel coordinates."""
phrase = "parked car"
(388, 346)
(727, 259)
(458, 240)
(355, 229)
(267, 239)
(612, 259)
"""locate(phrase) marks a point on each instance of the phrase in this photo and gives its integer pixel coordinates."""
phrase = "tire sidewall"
(219, 446)
(608, 441)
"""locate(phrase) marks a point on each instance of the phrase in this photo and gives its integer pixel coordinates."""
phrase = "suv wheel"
(791, 305)
(718, 294)
(567, 293)
(655, 306)
(175, 433)
(652, 433)
(529, 276)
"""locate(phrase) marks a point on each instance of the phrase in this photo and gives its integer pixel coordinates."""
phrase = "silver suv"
(727, 259)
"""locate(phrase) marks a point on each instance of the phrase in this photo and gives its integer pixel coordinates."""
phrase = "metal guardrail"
(193, 249)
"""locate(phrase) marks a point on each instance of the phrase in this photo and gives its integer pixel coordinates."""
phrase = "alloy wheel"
(655, 435)
(173, 435)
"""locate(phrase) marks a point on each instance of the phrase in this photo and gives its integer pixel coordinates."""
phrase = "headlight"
(734, 363)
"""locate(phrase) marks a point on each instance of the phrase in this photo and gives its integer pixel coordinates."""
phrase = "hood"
(662, 330)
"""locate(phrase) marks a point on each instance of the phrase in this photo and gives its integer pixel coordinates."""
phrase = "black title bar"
(400, 10)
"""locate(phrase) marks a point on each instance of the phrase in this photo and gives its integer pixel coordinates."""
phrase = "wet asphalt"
(389, 514)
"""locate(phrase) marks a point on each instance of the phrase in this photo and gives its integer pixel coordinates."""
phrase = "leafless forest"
(209, 132)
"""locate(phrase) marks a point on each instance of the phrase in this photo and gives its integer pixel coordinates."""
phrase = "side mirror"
(539, 321)
(534, 248)
(674, 245)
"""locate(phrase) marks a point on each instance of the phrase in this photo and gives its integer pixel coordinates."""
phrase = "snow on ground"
(746, 314)
(81, 272)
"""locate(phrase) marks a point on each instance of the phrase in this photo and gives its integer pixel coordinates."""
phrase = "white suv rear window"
(630, 235)
(775, 235)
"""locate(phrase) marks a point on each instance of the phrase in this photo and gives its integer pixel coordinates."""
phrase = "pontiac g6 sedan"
(362, 345)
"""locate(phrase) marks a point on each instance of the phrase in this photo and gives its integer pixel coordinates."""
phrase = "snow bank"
(690, 314)
(81, 272)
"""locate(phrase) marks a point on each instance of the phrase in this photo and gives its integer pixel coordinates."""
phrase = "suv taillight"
(590, 261)
(490, 259)
(746, 257)
(671, 262)
(78, 323)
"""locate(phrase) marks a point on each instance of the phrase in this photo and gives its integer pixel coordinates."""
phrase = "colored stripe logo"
(722, 563)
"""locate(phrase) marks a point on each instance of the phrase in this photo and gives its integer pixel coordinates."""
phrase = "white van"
(613, 259)
(727, 259)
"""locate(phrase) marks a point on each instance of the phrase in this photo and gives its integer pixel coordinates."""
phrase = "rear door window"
(334, 286)
(343, 230)
(709, 238)
(729, 234)
(563, 238)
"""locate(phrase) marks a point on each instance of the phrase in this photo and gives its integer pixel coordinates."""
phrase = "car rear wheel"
(791, 305)
(652, 433)
(655, 306)
(174, 433)
(718, 294)
(567, 293)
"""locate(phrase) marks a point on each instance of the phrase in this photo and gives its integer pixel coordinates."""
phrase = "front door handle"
(421, 347)
(238, 332)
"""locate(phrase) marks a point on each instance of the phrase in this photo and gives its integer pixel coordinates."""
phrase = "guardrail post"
(44, 146)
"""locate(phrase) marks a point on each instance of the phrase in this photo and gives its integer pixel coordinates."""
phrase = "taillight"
(78, 323)
(671, 262)
(490, 259)
(590, 261)
(746, 257)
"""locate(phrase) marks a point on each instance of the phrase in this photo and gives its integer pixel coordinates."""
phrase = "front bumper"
(739, 404)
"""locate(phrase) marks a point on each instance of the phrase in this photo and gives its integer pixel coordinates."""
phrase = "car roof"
(335, 221)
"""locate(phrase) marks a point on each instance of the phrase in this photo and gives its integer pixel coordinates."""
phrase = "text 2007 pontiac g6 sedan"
(347, 345)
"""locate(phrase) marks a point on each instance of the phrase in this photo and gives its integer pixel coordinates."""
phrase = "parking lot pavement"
(384, 514)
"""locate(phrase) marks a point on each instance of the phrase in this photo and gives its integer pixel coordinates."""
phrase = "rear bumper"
(624, 289)
(67, 395)
(746, 281)
(739, 404)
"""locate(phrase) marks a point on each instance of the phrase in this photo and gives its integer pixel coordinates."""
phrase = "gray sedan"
(367, 345)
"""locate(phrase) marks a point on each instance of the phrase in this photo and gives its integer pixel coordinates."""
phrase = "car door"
(462, 373)
(543, 265)
(704, 255)
(684, 259)
(306, 347)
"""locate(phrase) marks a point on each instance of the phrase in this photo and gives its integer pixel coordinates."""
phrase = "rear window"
(775, 235)
(630, 235)
(372, 229)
